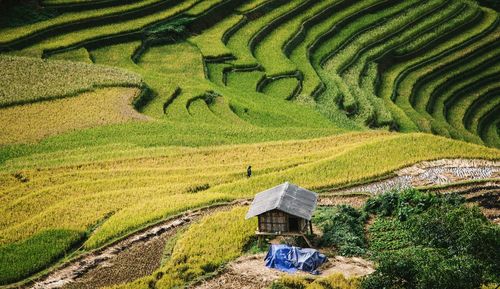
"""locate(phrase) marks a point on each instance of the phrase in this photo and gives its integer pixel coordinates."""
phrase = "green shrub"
(418, 267)
(424, 240)
(461, 231)
(342, 228)
(407, 202)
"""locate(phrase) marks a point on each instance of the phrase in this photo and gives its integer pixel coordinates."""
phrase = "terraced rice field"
(115, 115)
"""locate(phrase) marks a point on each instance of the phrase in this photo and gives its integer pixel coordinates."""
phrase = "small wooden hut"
(284, 210)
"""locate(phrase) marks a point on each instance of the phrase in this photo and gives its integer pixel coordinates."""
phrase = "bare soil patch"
(250, 272)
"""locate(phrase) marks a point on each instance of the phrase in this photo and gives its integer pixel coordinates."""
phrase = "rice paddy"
(116, 115)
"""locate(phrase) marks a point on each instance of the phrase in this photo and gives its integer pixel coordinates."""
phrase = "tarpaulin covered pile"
(290, 259)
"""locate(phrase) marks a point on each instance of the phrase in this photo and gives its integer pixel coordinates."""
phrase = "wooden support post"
(311, 227)
(307, 241)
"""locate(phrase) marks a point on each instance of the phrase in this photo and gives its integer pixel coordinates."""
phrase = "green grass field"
(113, 113)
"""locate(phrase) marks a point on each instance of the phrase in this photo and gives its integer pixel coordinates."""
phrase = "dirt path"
(140, 254)
(249, 272)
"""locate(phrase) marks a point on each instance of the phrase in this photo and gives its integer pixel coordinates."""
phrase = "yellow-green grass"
(21, 259)
(455, 114)
(439, 121)
(252, 4)
(477, 119)
(66, 2)
(443, 104)
(180, 65)
(422, 96)
(353, 26)
(269, 51)
(239, 42)
(391, 29)
(164, 68)
(406, 86)
(25, 80)
(350, 99)
(207, 245)
(210, 41)
(111, 180)
(463, 18)
(300, 55)
(350, 51)
(356, 72)
(32, 122)
(215, 72)
(203, 6)
(80, 54)
(281, 88)
(390, 77)
(335, 280)
(492, 135)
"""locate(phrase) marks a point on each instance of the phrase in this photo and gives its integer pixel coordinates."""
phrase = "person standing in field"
(249, 171)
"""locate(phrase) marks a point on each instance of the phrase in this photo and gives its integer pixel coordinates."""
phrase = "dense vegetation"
(292, 87)
(343, 228)
(419, 240)
(424, 240)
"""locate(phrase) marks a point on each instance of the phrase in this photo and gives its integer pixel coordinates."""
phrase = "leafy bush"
(461, 231)
(424, 240)
(407, 202)
(419, 267)
(342, 228)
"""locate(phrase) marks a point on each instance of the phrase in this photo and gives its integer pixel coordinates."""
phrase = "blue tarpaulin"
(290, 259)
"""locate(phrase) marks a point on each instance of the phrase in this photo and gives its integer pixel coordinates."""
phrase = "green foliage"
(419, 267)
(461, 231)
(401, 204)
(423, 240)
(21, 259)
(388, 234)
(342, 228)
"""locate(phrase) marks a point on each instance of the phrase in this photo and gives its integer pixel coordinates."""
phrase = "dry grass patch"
(33, 122)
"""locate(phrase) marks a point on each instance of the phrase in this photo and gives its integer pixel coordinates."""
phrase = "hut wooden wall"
(277, 221)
